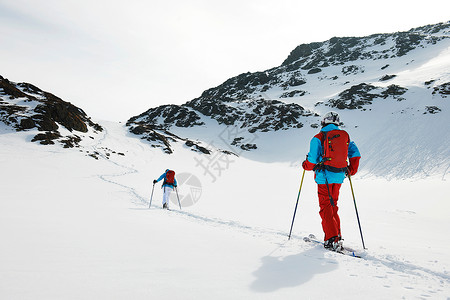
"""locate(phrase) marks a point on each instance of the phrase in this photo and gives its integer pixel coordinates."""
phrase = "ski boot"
(334, 244)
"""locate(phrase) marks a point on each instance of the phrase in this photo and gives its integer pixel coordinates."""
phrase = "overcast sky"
(116, 59)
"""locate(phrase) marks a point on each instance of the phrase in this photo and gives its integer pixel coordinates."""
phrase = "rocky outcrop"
(442, 89)
(340, 50)
(168, 115)
(358, 96)
(161, 138)
(24, 106)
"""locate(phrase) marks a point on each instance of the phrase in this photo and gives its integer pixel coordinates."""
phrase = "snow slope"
(73, 227)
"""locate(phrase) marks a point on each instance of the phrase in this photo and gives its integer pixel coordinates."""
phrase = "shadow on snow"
(289, 271)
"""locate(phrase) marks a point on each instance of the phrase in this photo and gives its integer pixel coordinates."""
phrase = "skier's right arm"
(308, 166)
(160, 178)
(313, 156)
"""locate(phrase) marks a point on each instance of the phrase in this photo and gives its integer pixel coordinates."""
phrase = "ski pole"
(356, 210)
(176, 190)
(150, 204)
(296, 204)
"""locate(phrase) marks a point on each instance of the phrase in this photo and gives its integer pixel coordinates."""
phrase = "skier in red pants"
(327, 156)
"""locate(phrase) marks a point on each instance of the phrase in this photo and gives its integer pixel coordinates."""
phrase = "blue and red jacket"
(163, 176)
(315, 157)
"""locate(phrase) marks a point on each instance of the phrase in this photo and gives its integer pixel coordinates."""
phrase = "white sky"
(117, 59)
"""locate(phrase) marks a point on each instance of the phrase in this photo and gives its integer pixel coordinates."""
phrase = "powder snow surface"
(73, 227)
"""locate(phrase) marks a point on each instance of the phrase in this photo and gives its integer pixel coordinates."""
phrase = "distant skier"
(168, 184)
(327, 156)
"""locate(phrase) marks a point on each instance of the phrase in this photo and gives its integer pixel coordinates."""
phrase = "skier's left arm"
(175, 184)
(353, 157)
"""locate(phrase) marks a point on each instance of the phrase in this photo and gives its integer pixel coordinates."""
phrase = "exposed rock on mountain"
(338, 51)
(161, 138)
(256, 115)
(443, 90)
(24, 106)
(363, 94)
(168, 115)
(351, 69)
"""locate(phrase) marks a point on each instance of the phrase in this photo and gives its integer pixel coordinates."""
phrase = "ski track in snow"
(128, 172)
(275, 236)
(404, 267)
(188, 215)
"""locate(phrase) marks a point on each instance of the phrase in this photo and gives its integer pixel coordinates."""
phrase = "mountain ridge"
(387, 103)
(349, 75)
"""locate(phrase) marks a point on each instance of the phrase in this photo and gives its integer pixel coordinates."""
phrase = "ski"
(347, 251)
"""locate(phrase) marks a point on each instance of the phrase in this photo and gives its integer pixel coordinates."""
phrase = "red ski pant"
(331, 223)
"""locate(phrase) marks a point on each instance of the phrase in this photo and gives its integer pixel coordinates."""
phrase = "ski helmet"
(331, 118)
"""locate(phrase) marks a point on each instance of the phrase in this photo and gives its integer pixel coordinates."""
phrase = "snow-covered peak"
(387, 88)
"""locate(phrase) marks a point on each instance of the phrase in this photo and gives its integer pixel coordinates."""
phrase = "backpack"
(170, 178)
(335, 149)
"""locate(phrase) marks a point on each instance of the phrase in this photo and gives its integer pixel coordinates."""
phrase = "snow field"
(74, 227)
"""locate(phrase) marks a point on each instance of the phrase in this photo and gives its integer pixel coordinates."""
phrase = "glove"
(353, 166)
(308, 166)
(155, 181)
